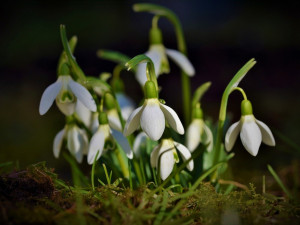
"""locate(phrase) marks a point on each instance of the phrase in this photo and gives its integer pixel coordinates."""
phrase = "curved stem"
(223, 108)
(155, 21)
(242, 92)
(181, 44)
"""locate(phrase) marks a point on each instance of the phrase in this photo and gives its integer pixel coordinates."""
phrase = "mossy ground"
(37, 196)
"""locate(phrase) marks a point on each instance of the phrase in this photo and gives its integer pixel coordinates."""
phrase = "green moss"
(36, 196)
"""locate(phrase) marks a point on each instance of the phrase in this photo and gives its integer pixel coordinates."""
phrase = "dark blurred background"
(221, 36)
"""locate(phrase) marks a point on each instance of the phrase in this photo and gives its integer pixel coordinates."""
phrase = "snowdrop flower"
(90, 119)
(252, 131)
(77, 141)
(103, 139)
(198, 132)
(112, 113)
(66, 91)
(158, 54)
(165, 155)
(152, 116)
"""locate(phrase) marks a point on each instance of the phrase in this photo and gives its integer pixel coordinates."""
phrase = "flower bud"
(155, 36)
(103, 118)
(109, 101)
(150, 90)
(246, 108)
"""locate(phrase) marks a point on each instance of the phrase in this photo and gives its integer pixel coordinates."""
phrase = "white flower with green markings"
(77, 141)
(198, 132)
(165, 156)
(158, 54)
(104, 139)
(66, 92)
(252, 131)
(152, 116)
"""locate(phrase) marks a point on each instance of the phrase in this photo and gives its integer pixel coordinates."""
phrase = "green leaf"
(114, 56)
(63, 57)
(71, 59)
(200, 92)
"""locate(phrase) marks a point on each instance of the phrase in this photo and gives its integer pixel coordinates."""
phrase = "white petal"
(155, 56)
(153, 120)
(141, 68)
(96, 144)
(83, 95)
(182, 61)
(84, 142)
(267, 136)
(141, 139)
(58, 140)
(231, 135)
(113, 119)
(208, 138)
(193, 134)
(185, 153)
(154, 156)
(251, 137)
(83, 113)
(73, 140)
(167, 162)
(133, 121)
(172, 118)
(67, 108)
(48, 97)
(123, 142)
(126, 104)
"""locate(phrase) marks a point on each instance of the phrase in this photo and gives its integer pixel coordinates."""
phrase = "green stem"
(242, 92)
(122, 163)
(181, 44)
(223, 108)
(137, 170)
(93, 171)
(150, 67)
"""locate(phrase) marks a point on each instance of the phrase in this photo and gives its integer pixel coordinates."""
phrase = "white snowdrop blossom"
(198, 132)
(104, 139)
(66, 92)
(252, 131)
(166, 156)
(152, 116)
(77, 141)
(102, 136)
(158, 54)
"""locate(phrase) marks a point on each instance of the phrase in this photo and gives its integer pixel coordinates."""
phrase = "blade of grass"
(280, 183)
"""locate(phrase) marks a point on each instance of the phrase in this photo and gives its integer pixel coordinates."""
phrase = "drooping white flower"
(152, 116)
(252, 131)
(83, 113)
(77, 141)
(102, 135)
(66, 91)
(165, 155)
(158, 54)
(198, 132)
(104, 139)
(126, 104)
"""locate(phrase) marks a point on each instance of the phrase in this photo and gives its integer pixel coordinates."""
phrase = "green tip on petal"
(246, 108)
(103, 118)
(155, 36)
(150, 90)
